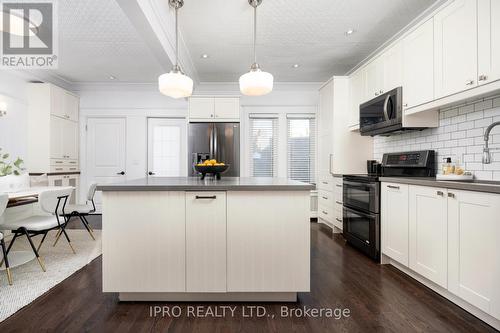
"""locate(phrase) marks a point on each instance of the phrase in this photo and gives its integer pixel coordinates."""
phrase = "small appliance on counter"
(361, 194)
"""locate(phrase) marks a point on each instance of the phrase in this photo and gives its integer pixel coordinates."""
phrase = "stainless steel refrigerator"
(220, 141)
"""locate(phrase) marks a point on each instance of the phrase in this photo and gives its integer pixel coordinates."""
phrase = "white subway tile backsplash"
(459, 136)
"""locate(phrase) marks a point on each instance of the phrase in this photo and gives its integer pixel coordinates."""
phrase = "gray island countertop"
(196, 184)
(476, 185)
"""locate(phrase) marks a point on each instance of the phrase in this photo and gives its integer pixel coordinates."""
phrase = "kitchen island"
(186, 239)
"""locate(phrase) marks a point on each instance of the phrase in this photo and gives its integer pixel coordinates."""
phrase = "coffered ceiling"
(309, 33)
(103, 38)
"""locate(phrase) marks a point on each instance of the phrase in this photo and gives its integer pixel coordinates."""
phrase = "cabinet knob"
(121, 173)
(469, 83)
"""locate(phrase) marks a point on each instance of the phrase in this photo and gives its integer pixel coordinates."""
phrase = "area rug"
(30, 282)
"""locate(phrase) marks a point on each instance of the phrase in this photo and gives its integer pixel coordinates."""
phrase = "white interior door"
(106, 151)
(167, 147)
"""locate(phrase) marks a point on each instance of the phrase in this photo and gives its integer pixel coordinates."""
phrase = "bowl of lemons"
(212, 167)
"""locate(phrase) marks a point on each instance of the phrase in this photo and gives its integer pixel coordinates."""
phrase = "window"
(301, 147)
(263, 145)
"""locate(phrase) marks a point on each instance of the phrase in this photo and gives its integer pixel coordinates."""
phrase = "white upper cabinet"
(214, 109)
(64, 104)
(393, 68)
(455, 48)
(474, 249)
(428, 221)
(418, 65)
(374, 78)
(356, 95)
(394, 221)
(488, 41)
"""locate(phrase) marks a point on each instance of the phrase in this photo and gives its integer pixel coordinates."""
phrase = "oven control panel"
(419, 159)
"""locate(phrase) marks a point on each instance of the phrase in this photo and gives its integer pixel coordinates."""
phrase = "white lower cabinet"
(428, 222)
(453, 240)
(206, 241)
(394, 220)
(474, 249)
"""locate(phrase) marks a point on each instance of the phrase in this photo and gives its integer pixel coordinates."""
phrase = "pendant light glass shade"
(176, 84)
(256, 82)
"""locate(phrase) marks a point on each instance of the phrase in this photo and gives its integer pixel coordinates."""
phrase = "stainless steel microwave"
(383, 115)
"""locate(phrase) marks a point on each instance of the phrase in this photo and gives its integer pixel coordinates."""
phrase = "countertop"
(476, 185)
(196, 184)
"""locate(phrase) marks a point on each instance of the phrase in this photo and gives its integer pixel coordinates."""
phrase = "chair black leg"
(7, 266)
(87, 226)
(63, 231)
(10, 246)
(40, 260)
(41, 242)
(90, 227)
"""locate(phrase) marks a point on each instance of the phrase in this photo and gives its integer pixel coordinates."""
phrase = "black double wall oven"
(361, 217)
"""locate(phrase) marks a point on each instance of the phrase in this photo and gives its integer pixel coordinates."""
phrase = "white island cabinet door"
(205, 241)
(474, 249)
(268, 241)
(394, 224)
(143, 240)
(428, 216)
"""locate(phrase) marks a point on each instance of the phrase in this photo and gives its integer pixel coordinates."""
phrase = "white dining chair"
(81, 211)
(4, 199)
(51, 202)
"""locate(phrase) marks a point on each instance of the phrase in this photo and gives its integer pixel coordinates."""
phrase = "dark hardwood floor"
(380, 299)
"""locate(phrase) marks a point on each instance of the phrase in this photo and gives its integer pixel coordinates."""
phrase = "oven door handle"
(357, 212)
(358, 186)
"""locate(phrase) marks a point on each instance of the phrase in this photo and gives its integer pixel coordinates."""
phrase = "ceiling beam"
(155, 23)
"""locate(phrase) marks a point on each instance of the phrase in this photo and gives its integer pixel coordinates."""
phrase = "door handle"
(210, 197)
(121, 173)
(151, 173)
(338, 220)
(330, 164)
(386, 103)
(338, 202)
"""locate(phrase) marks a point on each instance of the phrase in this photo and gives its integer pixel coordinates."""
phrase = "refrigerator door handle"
(215, 142)
(211, 141)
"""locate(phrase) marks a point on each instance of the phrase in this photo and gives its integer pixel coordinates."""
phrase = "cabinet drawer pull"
(451, 195)
(326, 183)
(394, 187)
(440, 193)
(338, 202)
(206, 197)
(326, 198)
(483, 78)
(72, 162)
(72, 168)
(338, 185)
(469, 83)
(325, 212)
(58, 169)
(58, 162)
(338, 220)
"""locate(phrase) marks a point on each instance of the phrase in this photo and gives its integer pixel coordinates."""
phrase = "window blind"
(263, 145)
(302, 148)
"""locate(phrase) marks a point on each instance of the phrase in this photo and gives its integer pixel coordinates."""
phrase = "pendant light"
(176, 84)
(256, 82)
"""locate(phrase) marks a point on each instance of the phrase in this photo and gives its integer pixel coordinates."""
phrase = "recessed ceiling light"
(296, 65)
(205, 56)
(111, 77)
(350, 32)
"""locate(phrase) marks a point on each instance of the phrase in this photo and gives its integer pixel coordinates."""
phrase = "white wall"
(137, 102)
(459, 136)
(13, 126)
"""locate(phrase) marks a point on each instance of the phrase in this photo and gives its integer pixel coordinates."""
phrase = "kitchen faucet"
(486, 150)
